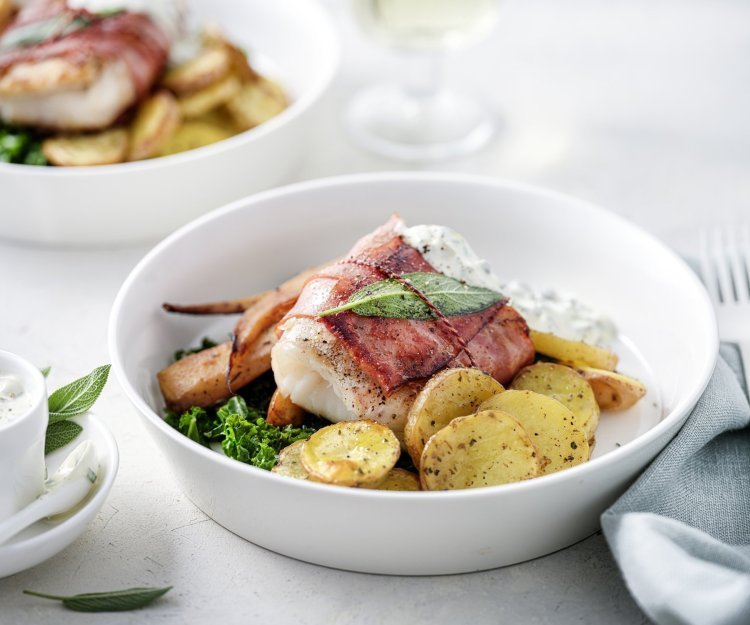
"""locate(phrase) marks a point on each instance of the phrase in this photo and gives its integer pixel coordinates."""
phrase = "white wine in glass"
(425, 24)
(417, 119)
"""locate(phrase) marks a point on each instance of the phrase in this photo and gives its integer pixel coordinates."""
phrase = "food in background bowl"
(97, 82)
(408, 340)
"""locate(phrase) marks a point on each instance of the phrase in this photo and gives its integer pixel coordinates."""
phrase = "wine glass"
(419, 119)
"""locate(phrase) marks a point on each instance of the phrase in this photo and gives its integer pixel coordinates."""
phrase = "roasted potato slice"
(7, 10)
(213, 37)
(399, 479)
(282, 411)
(211, 65)
(351, 453)
(553, 428)
(214, 95)
(101, 148)
(448, 394)
(289, 463)
(613, 391)
(573, 352)
(566, 386)
(155, 123)
(220, 118)
(191, 135)
(256, 102)
(483, 449)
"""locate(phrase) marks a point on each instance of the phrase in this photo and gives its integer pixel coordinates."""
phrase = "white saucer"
(43, 540)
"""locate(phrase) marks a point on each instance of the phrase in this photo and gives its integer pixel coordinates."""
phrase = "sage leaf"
(392, 299)
(78, 396)
(60, 434)
(113, 601)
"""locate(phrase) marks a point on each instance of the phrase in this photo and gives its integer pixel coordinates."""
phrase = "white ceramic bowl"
(292, 40)
(42, 540)
(669, 337)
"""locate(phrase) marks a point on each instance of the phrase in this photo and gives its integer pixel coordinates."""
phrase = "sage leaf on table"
(60, 434)
(392, 299)
(78, 396)
(113, 601)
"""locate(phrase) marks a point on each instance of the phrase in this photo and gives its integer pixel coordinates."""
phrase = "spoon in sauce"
(64, 490)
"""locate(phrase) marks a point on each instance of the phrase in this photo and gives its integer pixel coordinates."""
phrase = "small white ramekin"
(22, 468)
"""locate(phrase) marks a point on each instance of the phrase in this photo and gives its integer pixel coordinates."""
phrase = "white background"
(638, 105)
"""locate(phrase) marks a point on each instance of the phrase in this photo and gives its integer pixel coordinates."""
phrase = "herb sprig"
(69, 401)
(112, 601)
(394, 299)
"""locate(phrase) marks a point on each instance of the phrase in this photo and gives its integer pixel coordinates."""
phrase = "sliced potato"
(220, 118)
(448, 394)
(192, 135)
(351, 453)
(399, 479)
(553, 428)
(213, 37)
(566, 386)
(155, 123)
(211, 65)
(7, 10)
(289, 464)
(214, 95)
(256, 102)
(613, 391)
(282, 411)
(101, 148)
(573, 352)
(483, 449)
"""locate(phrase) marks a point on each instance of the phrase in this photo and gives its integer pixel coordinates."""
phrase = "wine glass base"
(386, 120)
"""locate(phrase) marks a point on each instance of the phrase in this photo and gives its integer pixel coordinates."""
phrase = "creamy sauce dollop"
(15, 400)
(546, 311)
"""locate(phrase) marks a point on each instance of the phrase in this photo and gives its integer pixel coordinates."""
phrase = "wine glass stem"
(424, 77)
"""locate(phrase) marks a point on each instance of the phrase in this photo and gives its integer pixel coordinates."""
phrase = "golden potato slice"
(289, 464)
(613, 391)
(101, 148)
(220, 118)
(155, 123)
(351, 453)
(191, 135)
(448, 394)
(281, 411)
(216, 94)
(256, 102)
(211, 65)
(213, 37)
(566, 386)
(399, 479)
(573, 352)
(483, 449)
(553, 428)
(7, 10)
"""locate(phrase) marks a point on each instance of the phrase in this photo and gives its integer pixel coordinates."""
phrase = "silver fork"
(725, 265)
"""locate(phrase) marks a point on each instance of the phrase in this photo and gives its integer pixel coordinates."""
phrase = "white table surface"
(639, 106)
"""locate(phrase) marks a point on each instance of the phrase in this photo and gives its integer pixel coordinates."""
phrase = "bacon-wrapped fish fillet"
(69, 69)
(346, 366)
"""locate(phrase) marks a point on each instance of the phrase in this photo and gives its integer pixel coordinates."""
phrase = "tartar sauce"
(545, 311)
(14, 398)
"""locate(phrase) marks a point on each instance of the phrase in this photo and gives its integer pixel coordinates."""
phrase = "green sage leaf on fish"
(393, 299)
(113, 601)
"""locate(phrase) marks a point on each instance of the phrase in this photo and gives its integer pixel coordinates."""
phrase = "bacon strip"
(394, 352)
(130, 37)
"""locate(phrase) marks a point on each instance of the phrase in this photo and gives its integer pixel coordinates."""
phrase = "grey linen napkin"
(681, 533)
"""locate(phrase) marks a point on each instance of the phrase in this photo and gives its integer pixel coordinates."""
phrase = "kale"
(197, 424)
(206, 343)
(20, 146)
(248, 438)
(240, 425)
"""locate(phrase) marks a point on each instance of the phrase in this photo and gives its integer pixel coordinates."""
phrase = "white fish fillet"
(314, 370)
(54, 103)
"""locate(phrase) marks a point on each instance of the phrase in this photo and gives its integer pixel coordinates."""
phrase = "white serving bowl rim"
(615, 456)
(294, 110)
